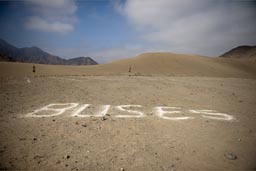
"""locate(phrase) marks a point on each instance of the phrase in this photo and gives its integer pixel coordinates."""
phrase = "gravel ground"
(147, 143)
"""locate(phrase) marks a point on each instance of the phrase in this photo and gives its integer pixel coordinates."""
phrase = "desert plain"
(149, 142)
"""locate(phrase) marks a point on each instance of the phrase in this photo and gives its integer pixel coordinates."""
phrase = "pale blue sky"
(110, 30)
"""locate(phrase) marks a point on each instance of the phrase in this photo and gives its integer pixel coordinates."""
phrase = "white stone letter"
(161, 113)
(121, 107)
(212, 114)
(101, 113)
(48, 108)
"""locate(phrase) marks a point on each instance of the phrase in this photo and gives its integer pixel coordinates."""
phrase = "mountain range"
(34, 54)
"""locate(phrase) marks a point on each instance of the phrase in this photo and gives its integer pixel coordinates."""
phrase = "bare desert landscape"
(128, 85)
(170, 112)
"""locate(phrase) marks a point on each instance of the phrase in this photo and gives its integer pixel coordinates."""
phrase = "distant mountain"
(37, 55)
(6, 58)
(81, 61)
(241, 52)
(6, 49)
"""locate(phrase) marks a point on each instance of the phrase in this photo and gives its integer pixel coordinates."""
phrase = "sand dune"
(182, 65)
(145, 64)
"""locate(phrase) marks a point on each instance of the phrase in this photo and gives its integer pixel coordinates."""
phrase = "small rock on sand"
(230, 156)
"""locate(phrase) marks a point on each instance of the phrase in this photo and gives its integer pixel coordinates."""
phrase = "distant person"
(130, 69)
(34, 68)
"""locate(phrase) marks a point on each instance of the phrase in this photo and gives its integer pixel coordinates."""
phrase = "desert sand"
(167, 64)
(188, 82)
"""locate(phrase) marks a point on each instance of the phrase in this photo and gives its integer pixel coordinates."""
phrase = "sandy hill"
(241, 52)
(181, 65)
(169, 64)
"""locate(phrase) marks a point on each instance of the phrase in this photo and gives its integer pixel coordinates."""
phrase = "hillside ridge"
(244, 51)
(34, 54)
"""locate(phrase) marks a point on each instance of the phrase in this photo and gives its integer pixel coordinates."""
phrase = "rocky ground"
(147, 143)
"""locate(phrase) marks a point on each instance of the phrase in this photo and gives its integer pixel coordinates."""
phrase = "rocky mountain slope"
(36, 55)
(241, 52)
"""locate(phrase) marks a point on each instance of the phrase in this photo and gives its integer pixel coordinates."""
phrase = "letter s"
(121, 107)
(212, 114)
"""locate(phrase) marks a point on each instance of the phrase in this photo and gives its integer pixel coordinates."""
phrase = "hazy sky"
(109, 30)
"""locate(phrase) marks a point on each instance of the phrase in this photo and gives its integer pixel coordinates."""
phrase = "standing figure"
(34, 68)
(130, 69)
